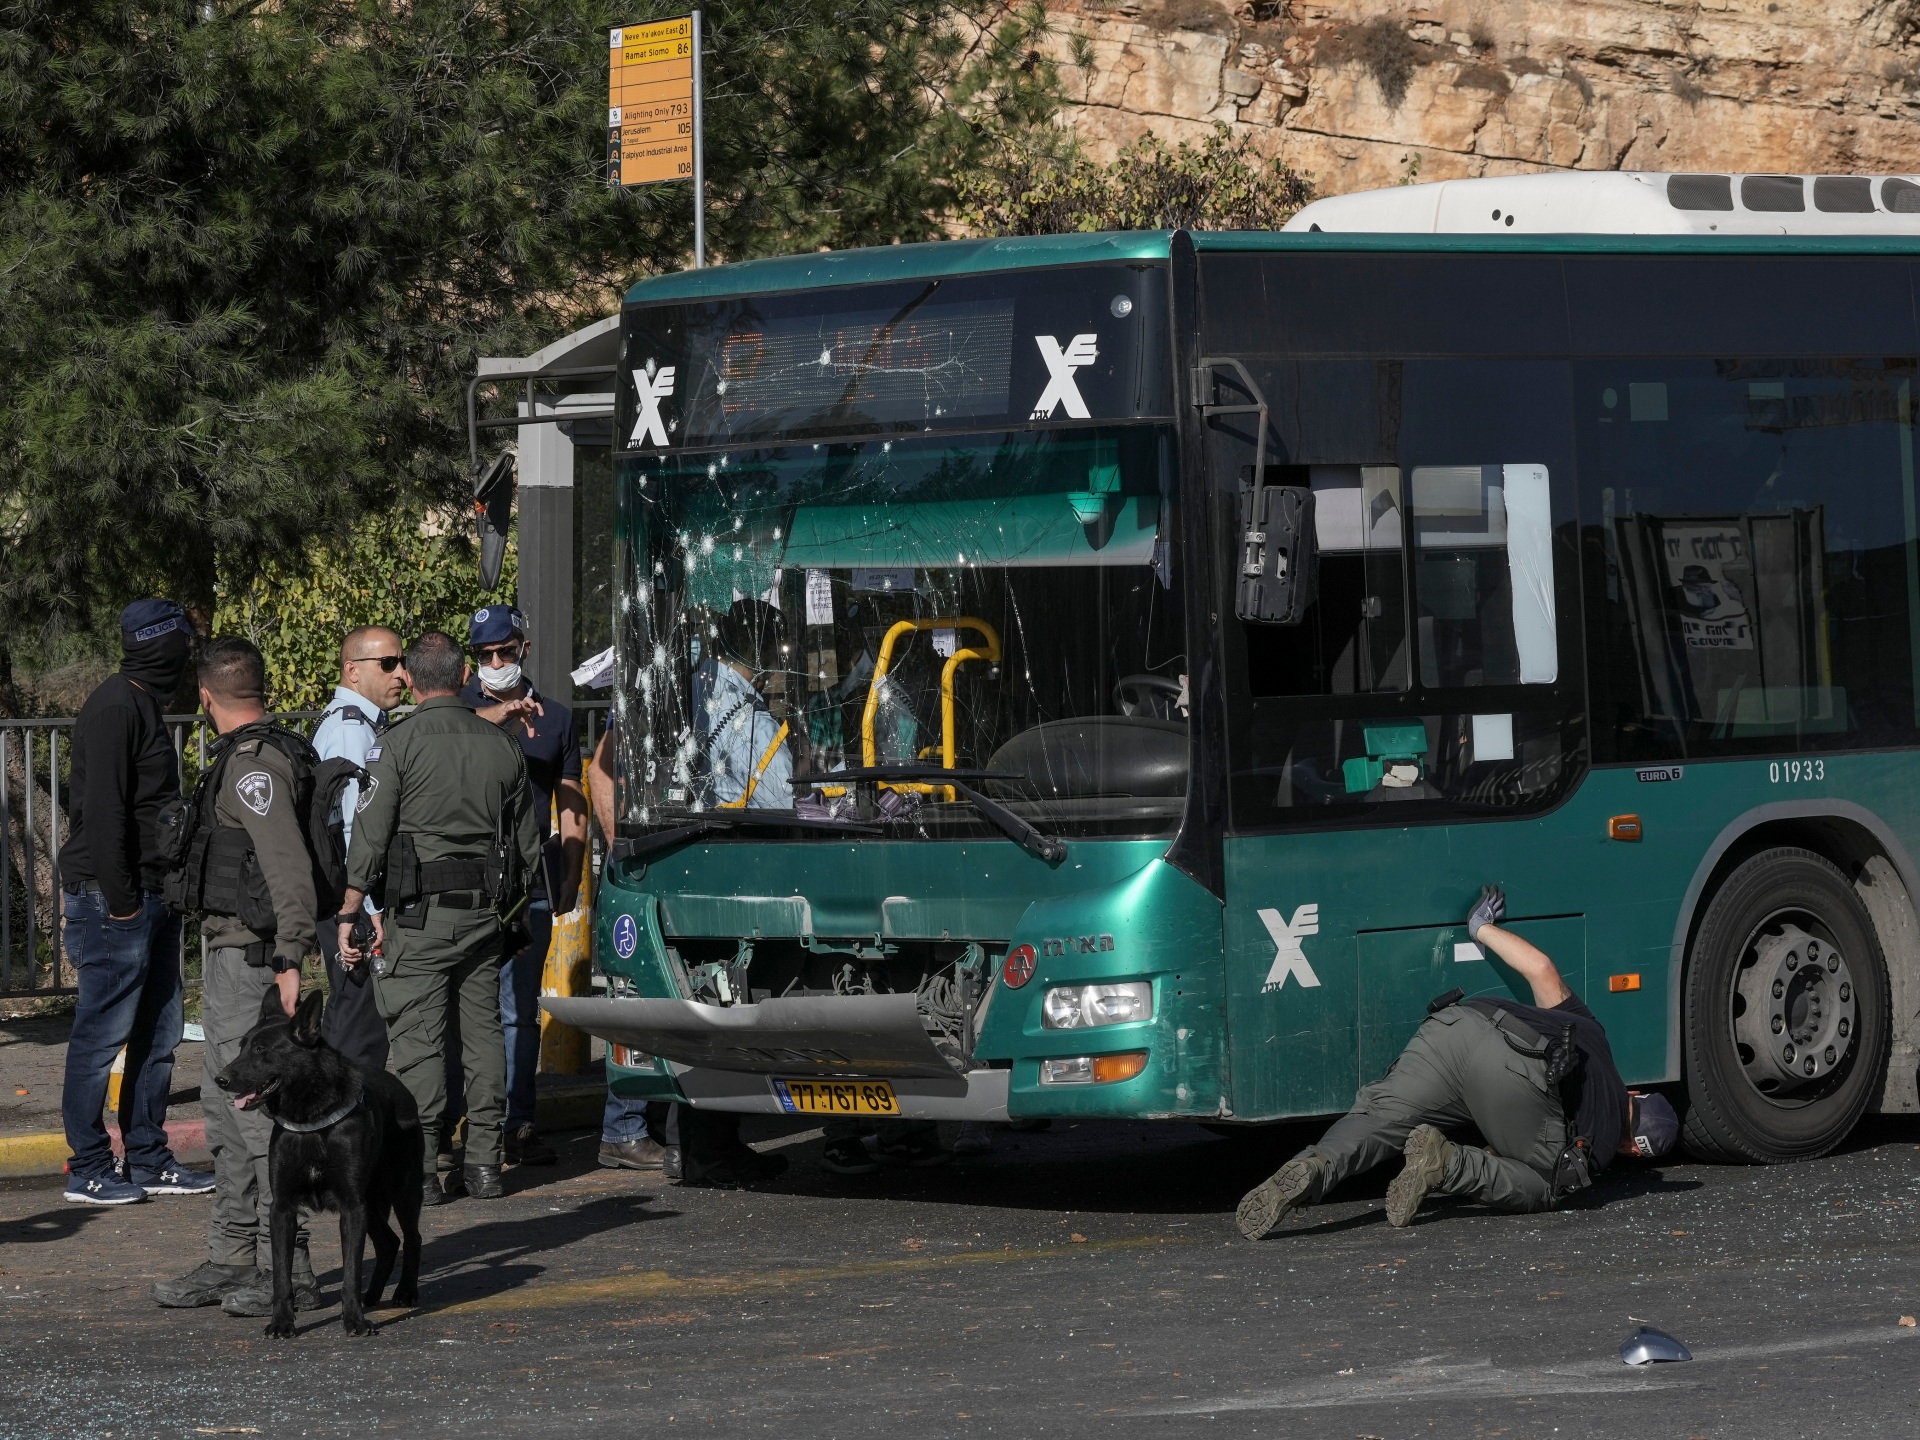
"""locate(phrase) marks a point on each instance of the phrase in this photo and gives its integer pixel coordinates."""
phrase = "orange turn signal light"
(1107, 1068)
(1624, 827)
(1618, 983)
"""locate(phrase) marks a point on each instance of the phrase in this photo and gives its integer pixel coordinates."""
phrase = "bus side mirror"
(1279, 566)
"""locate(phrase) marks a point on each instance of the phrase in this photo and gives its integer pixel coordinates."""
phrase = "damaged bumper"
(727, 1057)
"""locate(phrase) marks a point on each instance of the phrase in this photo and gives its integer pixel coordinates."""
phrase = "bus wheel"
(1786, 1013)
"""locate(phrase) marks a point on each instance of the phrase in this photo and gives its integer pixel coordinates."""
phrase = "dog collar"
(334, 1119)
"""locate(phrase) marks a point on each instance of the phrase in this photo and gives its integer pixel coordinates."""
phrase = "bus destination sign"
(650, 102)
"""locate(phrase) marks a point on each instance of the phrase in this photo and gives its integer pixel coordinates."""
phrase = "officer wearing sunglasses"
(373, 678)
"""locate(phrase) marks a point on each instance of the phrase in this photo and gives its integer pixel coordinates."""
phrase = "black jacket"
(123, 772)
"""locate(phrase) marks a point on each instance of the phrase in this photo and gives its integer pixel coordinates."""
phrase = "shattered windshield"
(961, 353)
(1003, 605)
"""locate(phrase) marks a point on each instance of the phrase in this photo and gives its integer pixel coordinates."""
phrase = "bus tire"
(1787, 1013)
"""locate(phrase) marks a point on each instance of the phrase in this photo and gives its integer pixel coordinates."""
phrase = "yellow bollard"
(569, 970)
(114, 1077)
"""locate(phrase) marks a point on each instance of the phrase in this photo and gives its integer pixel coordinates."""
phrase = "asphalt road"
(1082, 1282)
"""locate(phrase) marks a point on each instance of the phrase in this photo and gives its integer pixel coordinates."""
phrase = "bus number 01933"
(1796, 772)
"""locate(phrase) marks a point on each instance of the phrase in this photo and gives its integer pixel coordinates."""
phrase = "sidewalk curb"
(45, 1152)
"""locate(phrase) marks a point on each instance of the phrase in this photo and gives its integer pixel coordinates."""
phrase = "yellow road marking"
(651, 1284)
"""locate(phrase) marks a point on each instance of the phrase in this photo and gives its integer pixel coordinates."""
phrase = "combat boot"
(256, 1299)
(207, 1285)
(1273, 1199)
(483, 1182)
(1428, 1154)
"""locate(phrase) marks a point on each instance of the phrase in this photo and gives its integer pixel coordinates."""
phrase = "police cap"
(496, 624)
(145, 621)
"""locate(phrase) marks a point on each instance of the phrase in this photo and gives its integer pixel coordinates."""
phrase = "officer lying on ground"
(1537, 1080)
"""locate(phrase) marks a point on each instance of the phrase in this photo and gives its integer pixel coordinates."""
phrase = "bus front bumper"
(729, 1057)
(979, 1095)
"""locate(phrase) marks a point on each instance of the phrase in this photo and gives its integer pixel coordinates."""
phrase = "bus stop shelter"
(558, 403)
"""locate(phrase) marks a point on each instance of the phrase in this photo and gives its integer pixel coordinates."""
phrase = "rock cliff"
(1363, 94)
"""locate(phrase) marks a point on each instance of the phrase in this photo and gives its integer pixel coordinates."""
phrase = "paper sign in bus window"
(1709, 574)
(819, 598)
(1731, 614)
(1492, 738)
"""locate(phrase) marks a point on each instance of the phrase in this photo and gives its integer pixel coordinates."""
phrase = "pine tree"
(251, 249)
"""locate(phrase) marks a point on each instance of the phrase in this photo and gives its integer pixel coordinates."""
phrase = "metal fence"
(35, 764)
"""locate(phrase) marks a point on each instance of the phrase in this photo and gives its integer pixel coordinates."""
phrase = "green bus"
(1092, 675)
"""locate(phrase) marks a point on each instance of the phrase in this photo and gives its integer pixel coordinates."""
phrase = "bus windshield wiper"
(907, 774)
(638, 846)
(1040, 846)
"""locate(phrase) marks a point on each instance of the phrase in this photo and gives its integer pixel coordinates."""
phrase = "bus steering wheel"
(1139, 694)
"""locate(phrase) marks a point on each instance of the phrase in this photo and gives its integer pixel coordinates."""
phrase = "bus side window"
(1761, 561)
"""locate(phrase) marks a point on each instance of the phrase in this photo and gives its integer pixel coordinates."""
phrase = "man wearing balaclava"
(124, 945)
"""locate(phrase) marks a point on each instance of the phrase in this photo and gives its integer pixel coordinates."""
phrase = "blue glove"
(1490, 909)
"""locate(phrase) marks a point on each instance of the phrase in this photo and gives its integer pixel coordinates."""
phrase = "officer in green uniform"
(446, 840)
(1537, 1081)
(253, 835)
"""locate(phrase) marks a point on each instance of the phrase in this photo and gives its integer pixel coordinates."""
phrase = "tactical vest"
(212, 868)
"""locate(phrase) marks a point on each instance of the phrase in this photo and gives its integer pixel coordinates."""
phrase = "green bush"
(410, 569)
(1219, 184)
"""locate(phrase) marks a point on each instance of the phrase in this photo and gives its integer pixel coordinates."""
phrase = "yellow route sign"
(652, 109)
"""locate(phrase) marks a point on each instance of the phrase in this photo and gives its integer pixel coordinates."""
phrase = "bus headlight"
(1080, 1007)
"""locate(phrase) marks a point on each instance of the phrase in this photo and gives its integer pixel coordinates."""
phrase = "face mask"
(159, 664)
(500, 679)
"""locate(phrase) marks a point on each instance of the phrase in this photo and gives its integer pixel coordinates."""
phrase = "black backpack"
(212, 868)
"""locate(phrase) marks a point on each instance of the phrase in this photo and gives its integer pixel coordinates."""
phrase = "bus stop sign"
(650, 102)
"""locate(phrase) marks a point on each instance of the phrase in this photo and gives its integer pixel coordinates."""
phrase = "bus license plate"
(836, 1097)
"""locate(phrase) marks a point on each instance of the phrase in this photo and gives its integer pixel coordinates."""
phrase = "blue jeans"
(520, 1013)
(129, 976)
(624, 1122)
(519, 1019)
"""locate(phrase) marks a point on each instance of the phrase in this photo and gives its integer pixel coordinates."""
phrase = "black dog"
(343, 1139)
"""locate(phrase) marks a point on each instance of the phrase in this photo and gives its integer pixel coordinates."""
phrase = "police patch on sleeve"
(255, 790)
(366, 793)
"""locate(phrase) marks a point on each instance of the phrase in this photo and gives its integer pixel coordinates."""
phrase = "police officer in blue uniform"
(373, 678)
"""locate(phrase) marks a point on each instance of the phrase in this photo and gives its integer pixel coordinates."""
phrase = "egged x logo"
(1288, 957)
(1081, 352)
(653, 387)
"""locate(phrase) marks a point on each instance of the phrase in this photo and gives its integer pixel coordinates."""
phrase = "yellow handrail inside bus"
(990, 651)
(991, 654)
(753, 780)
